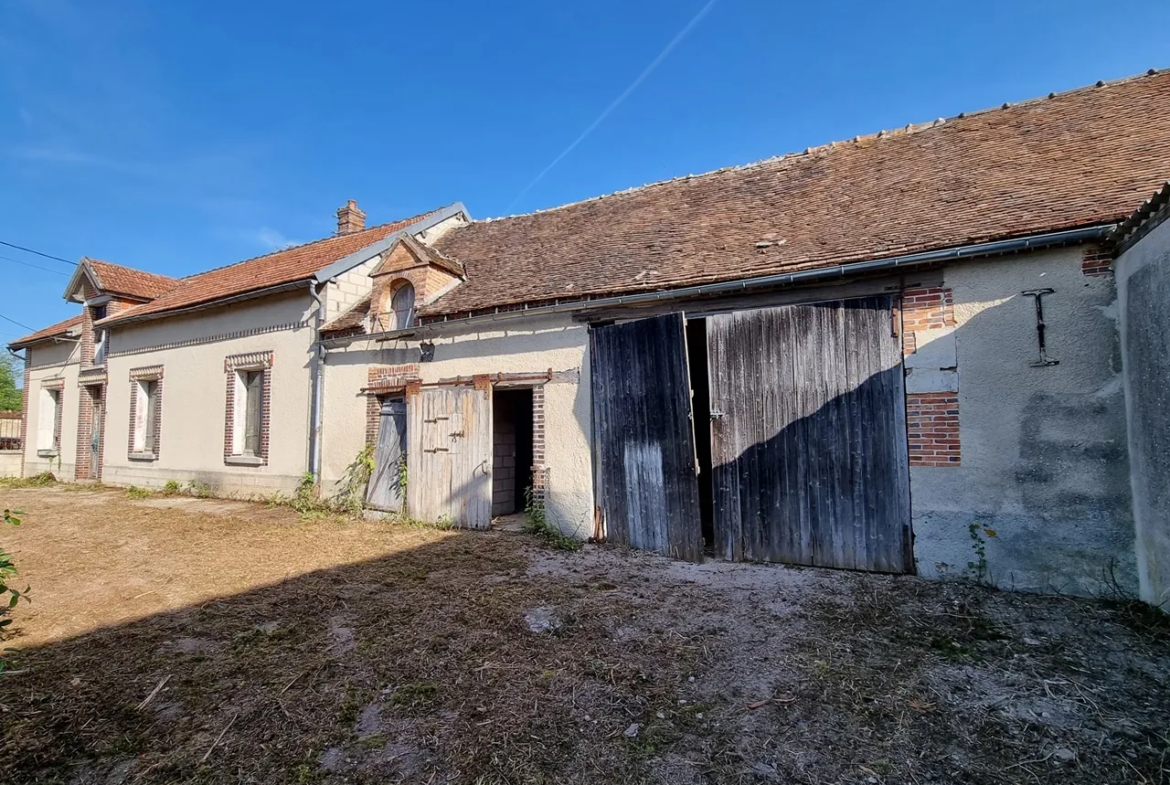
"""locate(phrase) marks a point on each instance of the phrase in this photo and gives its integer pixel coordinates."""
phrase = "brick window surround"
(383, 382)
(57, 385)
(151, 442)
(233, 366)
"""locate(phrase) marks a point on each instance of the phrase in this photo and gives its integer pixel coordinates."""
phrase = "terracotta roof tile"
(262, 272)
(1074, 159)
(116, 279)
(353, 319)
(53, 331)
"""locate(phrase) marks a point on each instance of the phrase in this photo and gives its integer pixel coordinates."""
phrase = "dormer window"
(100, 344)
(402, 308)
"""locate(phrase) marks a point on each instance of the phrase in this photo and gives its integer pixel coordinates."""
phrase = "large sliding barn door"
(449, 460)
(647, 487)
(809, 436)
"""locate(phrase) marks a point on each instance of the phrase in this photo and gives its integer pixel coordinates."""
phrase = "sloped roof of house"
(1080, 158)
(116, 279)
(1150, 214)
(57, 330)
(352, 320)
(287, 266)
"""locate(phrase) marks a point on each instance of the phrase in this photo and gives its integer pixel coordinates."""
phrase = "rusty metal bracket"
(1038, 295)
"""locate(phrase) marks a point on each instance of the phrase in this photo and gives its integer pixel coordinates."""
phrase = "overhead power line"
(618, 101)
(38, 253)
(34, 266)
(18, 324)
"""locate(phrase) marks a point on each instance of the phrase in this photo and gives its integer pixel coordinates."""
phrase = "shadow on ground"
(487, 658)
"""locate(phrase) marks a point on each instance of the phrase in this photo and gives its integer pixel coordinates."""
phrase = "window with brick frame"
(146, 389)
(49, 419)
(247, 421)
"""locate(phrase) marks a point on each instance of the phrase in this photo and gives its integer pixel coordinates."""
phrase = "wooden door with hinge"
(449, 457)
(385, 489)
(647, 488)
(808, 435)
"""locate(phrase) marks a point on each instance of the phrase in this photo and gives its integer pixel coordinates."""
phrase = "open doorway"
(701, 417)
(511, 450)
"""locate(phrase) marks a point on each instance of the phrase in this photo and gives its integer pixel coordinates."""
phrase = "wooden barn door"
(808, 436)
(449, 459)
(647, 489)
(385, 487)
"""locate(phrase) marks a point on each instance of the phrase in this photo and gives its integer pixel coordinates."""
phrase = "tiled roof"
(53, 331)
(1079, 158)
(1149, 214)
(353, 319)
(116, 279)
(262, 272)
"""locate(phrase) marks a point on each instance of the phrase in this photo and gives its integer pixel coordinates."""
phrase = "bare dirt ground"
(179, 640)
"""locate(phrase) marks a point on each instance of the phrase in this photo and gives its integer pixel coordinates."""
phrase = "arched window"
(402, 307)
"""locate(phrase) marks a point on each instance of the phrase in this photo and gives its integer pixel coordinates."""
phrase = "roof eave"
(84, 268)
(1008, 245)
(121, 321)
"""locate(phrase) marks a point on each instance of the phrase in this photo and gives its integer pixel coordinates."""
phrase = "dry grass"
(342, 651)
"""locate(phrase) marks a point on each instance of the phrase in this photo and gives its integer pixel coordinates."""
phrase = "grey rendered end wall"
(1043, 485)
(1143, 284)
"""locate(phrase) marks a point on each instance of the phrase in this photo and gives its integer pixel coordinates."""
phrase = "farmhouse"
(904, 352)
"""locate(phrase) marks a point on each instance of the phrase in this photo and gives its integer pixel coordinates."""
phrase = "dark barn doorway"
(701, 418)
(511, 450)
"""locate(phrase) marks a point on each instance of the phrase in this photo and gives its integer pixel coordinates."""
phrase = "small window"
(253, 382)
(402, 307)
(49, 421)
(99, 335)
(145, 414)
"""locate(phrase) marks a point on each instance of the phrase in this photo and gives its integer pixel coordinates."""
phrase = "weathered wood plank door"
(647, 489)
(384, 491)
(449, 458)
(808, 436)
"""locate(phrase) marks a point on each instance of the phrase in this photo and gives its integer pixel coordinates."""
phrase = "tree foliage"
(9, 394)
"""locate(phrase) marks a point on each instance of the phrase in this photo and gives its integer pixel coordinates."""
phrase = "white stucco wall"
(1044, 460)
(1143, 284)
(520, 346)
(192, 350)
(52, 361)
(9, 463)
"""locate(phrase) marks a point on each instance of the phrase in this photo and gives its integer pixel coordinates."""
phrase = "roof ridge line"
(887, 133)
(412, 221)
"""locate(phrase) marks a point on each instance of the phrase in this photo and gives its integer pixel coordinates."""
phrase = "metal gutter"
(316, 385)
(1015, 245)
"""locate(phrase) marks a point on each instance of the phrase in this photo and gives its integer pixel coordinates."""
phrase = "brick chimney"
(350, 219)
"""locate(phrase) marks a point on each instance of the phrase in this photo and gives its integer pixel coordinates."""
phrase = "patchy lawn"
(180, 640)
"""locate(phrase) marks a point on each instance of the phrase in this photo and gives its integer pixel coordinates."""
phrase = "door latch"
(716, 415)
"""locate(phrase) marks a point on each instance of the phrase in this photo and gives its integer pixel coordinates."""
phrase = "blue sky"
(180, 136)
